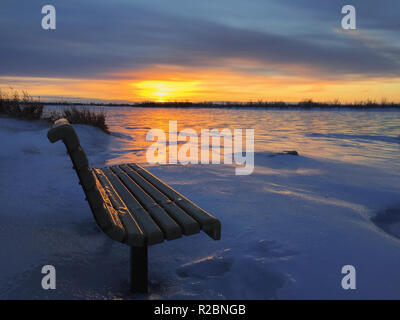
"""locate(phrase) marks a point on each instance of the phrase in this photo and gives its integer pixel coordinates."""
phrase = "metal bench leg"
(138, 261)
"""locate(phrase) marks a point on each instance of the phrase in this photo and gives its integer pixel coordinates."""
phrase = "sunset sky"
(217, 50)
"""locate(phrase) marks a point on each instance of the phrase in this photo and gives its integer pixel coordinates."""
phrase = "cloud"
(99, 38)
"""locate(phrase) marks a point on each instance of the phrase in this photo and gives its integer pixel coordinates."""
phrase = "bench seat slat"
(152, 231)
(170, 228)
(209, 223)
(187, 223)
(134, 235)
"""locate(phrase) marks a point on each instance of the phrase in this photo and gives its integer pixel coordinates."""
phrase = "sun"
(162, 91)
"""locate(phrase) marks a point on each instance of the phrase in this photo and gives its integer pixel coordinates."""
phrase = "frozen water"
(287, 229)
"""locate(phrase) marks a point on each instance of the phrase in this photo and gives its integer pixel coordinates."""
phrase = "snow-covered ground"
(287, 229)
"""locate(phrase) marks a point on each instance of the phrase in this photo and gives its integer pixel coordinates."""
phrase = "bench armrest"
(62, 130)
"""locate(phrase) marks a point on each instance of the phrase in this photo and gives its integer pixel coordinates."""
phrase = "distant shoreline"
(241, 105)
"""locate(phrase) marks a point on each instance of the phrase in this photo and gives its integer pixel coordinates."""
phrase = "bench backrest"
(104, 214)
(62, 130)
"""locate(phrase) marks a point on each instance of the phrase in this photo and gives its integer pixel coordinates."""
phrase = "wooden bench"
(132, 206)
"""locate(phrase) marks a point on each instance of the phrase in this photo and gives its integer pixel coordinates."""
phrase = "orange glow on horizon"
(170, 83)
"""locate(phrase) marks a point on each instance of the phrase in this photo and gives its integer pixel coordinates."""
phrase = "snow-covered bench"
(132, 206)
